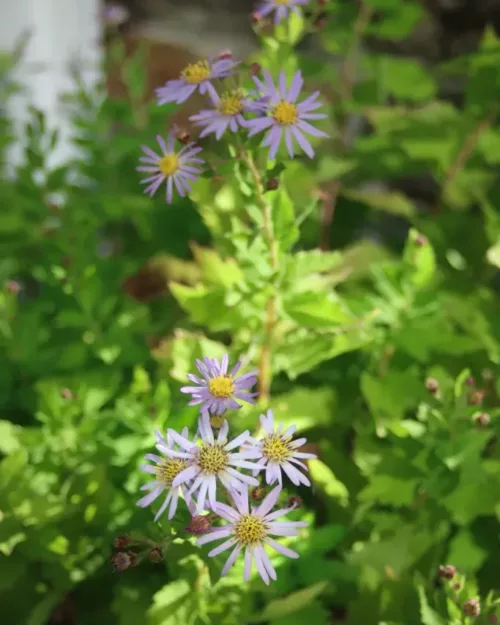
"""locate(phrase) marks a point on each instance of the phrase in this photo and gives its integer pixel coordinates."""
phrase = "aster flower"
(218, 390)
(212, 460)
(196, 76)
(282, 8)
(227, 113)
(165, 470)
(176, 168)
(278, 451)
(252, 530)
(285, 116)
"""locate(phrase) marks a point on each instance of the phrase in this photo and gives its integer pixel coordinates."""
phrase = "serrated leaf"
(316, 310)
(214, 269)
(427, 614)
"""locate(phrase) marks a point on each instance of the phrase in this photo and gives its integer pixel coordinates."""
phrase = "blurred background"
(108, 296)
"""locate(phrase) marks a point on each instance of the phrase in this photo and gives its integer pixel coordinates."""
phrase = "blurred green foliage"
(107, 301)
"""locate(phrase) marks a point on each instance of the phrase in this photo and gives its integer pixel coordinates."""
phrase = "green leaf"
(465, 553)
(420, 257)
(283, 220)
(316, 310)
(214, 269)
(9, 437)
(323, 477)
(173, 604)
(185, 348)
(386, 489)
(290, 604)
(406, 79)
(427, 614)
(388, 201)
(305, 407)
(493, 255)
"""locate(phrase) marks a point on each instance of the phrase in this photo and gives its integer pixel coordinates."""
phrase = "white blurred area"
(62, 34)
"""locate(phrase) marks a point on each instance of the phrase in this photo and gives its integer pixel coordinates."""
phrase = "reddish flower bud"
(295, 502)
(420, 240)
(493, 619)
(258, 493)
(122, 560)
(472, 607)
(66, 393)
(199, 525)
(482, 419)
(255, 68)
(476, 397)
(432, 385)
(155, 555)
(121, 541)
(272, 184)
(13, 287)
(447, 571)
(320, 23)
(470, 381)
(225, 54)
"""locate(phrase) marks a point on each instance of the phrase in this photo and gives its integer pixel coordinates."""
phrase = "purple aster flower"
(165, 470)
(285, 116)
(176, 168)
(281, 8)
(212, 460)
(218, 390)
(252, 530)
(196, 76)
(279, 452)
(227, 113)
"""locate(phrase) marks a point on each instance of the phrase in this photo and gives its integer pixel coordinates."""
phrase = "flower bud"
(256, 17)
(472, 607)
(13, 287)
(122, 560)
(432, 385)
(255, 68)
(199, 525)
(320, 23)
(482, 419)
(470, 381)
(67, 394)
(420, 240)
(258, 493)
(272, 184)
(155, 555)
(447, 571)
(476, 397)
(225, 54)
(295, 502)
(121, 541)
(493, 619)
(181, 133)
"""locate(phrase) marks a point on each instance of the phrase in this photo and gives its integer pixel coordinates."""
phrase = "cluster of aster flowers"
(210, 467)
(271, 107)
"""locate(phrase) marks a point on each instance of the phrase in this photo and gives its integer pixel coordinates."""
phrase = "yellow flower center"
(169, 164)
(216, 421)
(230, 103)
(285, 113)
(281, 1)
(196, 72)
(168, 470)
(212, 459)
(276, 448)
(221, 387)
(250, 530)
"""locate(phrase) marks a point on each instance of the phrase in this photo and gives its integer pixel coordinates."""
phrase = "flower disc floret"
(212, 459)
(280, 452)
(230, 103)
(276, 448)
(167, 470)
(217, 389)
(176, 169)
(283, 116)
(250, 530)
(194, 73)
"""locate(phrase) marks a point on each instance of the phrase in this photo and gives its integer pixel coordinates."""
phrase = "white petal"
(230, 561)
(163, 506)
(181, 441)
(224, 547)
(217, 534)
(226, 512)
(238, 441)
(281, 548)
(269, 502)
(248, 564)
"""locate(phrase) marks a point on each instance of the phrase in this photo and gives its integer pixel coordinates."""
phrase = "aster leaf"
(284, 222)
(290, 604)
